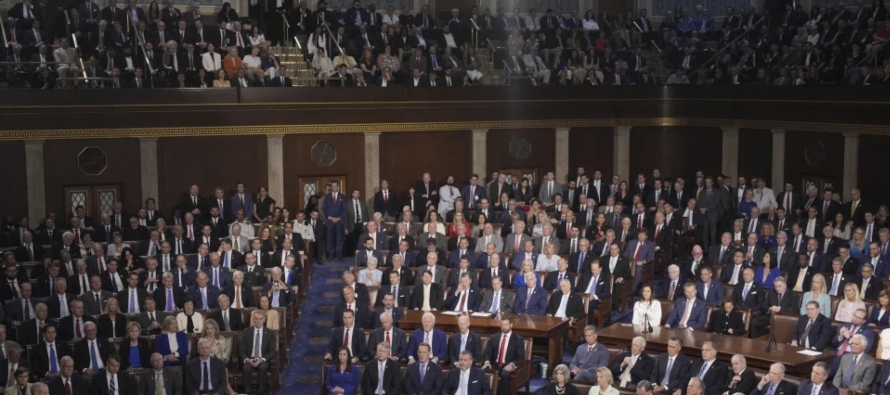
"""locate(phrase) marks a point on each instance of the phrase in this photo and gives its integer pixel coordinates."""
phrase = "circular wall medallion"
(814, 153)
(520, 148)
(323, 154)
(92, 161)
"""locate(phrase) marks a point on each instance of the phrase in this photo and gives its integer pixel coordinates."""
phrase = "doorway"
(95, 199)
(314, 186)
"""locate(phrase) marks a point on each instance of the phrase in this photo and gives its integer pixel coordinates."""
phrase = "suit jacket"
(679, 373)
(439, 275)
(806, 387)
(474, 345)
(454, 277)
(78, 385)
(714, 378)
(433, 379)
(392, 377)
(236, 322)
(361, 256)
(361, 310)
(440, 344)
(53, 303)
(537, 305)
(41, 363)
(217, 379)
(866, 331)
(755, 296)
(247, 298)
(476, 385)
(268, 343)
(863, 373)
(514, 354)
(389, 206)
(454, 260)
(123, 297)
(396, 312)
(715, 292)
(107, 330)
(647, 251)
(406, 276)
(90, 305)
(696, 319)
(819, 335)
(160, 296)
(642, 369)
(145, 352)
(82, 353)
(398, 339)
(510, 242)
(881, 384)
(551, 283)
(507, 300)
(144, 321)
(721, 322)
(589, 362)
(172, 381)
(574, 306)
(436, 297)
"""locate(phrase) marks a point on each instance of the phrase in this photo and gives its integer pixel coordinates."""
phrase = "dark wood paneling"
(404, 157)
(796, 165)
(298, 163)
(14, 199)
(674, 150)
(873, 171)
(542, 157)
(210, 162)
(593, 149)
(60, 161)
(756, 156)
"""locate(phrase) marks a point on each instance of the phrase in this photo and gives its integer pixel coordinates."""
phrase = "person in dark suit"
(564, 303)
(392, 374)
(748, 294)
(801, 275)
(133, 339)
(671, 288)
(361, 314)
(131, 297)
(551, 283)
(47, 348)
(464, 296)
(635, 363)
(87, 346)
(216, 383)
(596, 284)
(387, 332)
(229, 319)
(816, 326)
(369, 251)
(881, 385)
(78, 385)
(713, 295)
(476, 382)
(579, 262)
(504, 352)
(171, 378)
(167, 297)
(727, 320)
(734, 272)
(355, 336)
(711, 371)
(206, 296)
(698, 314)
(386, 202)
(432, 377)
(257, 358)
(668, 382)
(531, 299)
(463, 340)
(30, 332)
(426, 289)
(244, 291)
(112, 323)
(818, 376)
(282, 81)
(334, 212)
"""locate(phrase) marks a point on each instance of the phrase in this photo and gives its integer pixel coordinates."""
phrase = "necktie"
(380, 370)
(53, 361)
(806, 332)
(843, 348)
(667, 373)
(704, 368)
(834, 284)
(463, 301)
(132, 301)
(772, 388)
(112, 390)
(592, 289)
(496, 302)
(745, 292)
(346, 338)
(77, 331)
(67, 387)
(159, 384)
(529, 298)
(63, 306)
(226, 321)
(206, 377)
(169, 299)
(27, 309)
(204, 298)
(672, 290)
(237, 297)
(94, 356)
(503, 350)
(848, 374)
(256, 344)
(422, 371)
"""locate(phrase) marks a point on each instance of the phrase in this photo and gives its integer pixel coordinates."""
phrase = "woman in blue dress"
(342, 376)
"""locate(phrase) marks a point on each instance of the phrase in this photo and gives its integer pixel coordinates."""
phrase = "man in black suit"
(352, 334)
(386, 202)
(668, 382)
(711, 371)
(47, 353)
(28, 251)
(778, 300)
(44, 285)
(818, 377)
(238, 292)
(426, 287)
(551, 283)
(73, 327)
(282, 80)
(463, 340)
(433, 378)
(837, 279)
(392, 374)
(387, 332)
(747, 293)
(195, 204)
(59, 385)
(827, 207)
(564, 303)
(579, 262)
(476, 383)
(30, 331)
(359, 308)
(633, 366)
(774, 383)
(60, 298)
(869, 285)
(813, 329)
(167, 297)
(229, 319)
(406, 276)
(130, 297)
(258, 348)
(504, 352)
(150, 319)
(216, 383)
(91, 351)
(150, 377)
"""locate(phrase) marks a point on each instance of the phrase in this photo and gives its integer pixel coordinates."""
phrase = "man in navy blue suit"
(241, 201)
(218, 275)
(684, 316)
(466, 296)
(424, 377)
(813, 329)
(845, 334)
(463, 340)
(378, 236)
(205, 297)
(463, 250)
(467, 379)
(818, 377)
(531, 299)
(348, 335)
(430, 335)
(334, 207)
(504, 352)
(473, 193)
(528, 252)
(640, 251)
(362, 255)
(708, 289)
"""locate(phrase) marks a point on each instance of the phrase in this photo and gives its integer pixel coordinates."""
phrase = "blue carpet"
(303, 374)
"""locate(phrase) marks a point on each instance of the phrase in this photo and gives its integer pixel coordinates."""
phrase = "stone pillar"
(148, 163)
(561, 168)
(731, 152)
(480, 137)
(621, 164)
(372, 164)
(778, 176)
(275, 155)
(851, 163)
(34, 170)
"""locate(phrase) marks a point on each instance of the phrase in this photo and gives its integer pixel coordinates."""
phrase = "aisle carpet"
(303, 374)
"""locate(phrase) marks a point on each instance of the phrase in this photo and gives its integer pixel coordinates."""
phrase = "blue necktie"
(580, 261)
(495, 303)
(204, 298)
(53, 362)
(111, 387)
(422, 372)
(772, 388)
(94, 359)
(132, 301)
(463, 343)
(216, 277)
(226, 259)
(849, 373)
(704, 368)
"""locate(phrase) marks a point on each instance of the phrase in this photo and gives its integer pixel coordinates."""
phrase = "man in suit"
(496, 299)
(564, 303)
(464, 296)
(709, 289)
(773, 382)
(72, 326)
(382, 375)
(589, 357)
(517, 239)
(406, 276)
(349, 335)
(359, 308)
(196, 382)
(579, 262)
(204, 295)
(60, 384)
(712, 202)
(467, 379)
(110, 380)
(240, 294)
(229, 319)
(837, 279)
(711, 371)
(881, 384)
(427, 295)
(856, 370)
(633, 366)
(748, 294)
(386, 202)
(462, 251)
(688, 313)
(424, 377)
(167, 297)
(130, 297)
(777, 300)
(432, 264)
(150, 319)
(356, 218)
(640, 252)
(818, 377)
(531, 299)
(428, 334)
(94, 299)
(463, 340)
(387, 332)
(473, 193)
(368, 252)
(722, 253)
(47, 352)
(258, 348)
(671, 288)
(813, 329)
(241, 201)
(91, 351)
(334, 212)
(667, 381)
(551, 283)
(169, 379)
(504, 352)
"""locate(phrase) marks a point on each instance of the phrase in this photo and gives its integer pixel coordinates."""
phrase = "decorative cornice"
(32, 135)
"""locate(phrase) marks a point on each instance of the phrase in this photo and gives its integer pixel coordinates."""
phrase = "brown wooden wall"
(593, 149)
(756, 156)
(298, 163)
(60, 161)
(14, 198)
(873, 170)
(542, 157)
(404, 157)
(209, 162)
(796, 166)
(675, 150)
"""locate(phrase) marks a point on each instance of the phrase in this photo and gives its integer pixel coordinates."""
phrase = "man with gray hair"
(589, 357)
(195, 380)
(777, 300)
(774, 383)
(710, 370)
(743, 379)
(391, 335)
(695, 387)
(857, 370)
(168, 380)
(382, 375)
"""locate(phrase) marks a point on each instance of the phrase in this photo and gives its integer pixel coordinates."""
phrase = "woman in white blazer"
(211, 60)
(189, 320)
(647, 308)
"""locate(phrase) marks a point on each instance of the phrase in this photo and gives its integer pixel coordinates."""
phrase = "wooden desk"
(528, 326)
(754, 350)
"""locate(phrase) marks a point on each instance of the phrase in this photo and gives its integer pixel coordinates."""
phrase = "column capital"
(275, 136)
(480, 131)
(777, 131)
(563, 129)
(621, 129)
(852, 134)
(34, 143)
(148, 139)
(372, 135)
(729, 129)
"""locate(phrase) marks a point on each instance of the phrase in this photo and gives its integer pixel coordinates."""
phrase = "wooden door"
(314, 186)
(530, 173)
(822, 183)
(95, 199)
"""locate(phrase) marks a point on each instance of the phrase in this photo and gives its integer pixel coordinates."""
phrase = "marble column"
(731, 152)
(275, 155)
(561, 168)
(778, 176)
(480, 137)
(148, 163)
(621, 164)
(372, 165)
(851, 163)
(36, 182)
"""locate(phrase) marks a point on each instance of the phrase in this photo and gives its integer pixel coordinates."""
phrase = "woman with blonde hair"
(113, 323)
(603, 383)
(219, 347)
(817, 293)
(519, 278)
(849, 304)
(134, 350)
(172, 343)
(548, 260)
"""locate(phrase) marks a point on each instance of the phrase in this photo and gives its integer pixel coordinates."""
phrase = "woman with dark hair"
(227, 15)
(263, 205)
(728, 321)
(479, 227)
(525, 192)
(342, 378)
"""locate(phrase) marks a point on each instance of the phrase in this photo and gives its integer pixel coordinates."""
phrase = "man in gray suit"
(857, 370)
(712, 202)
(432, 265)
(94, 299)
(506, 299)
(170, 378)
(548, 237)
(150, 318)
(488, 236)
(589, 357)
(549, 188)
(239, 242)
(257, 350)
(516, 240)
